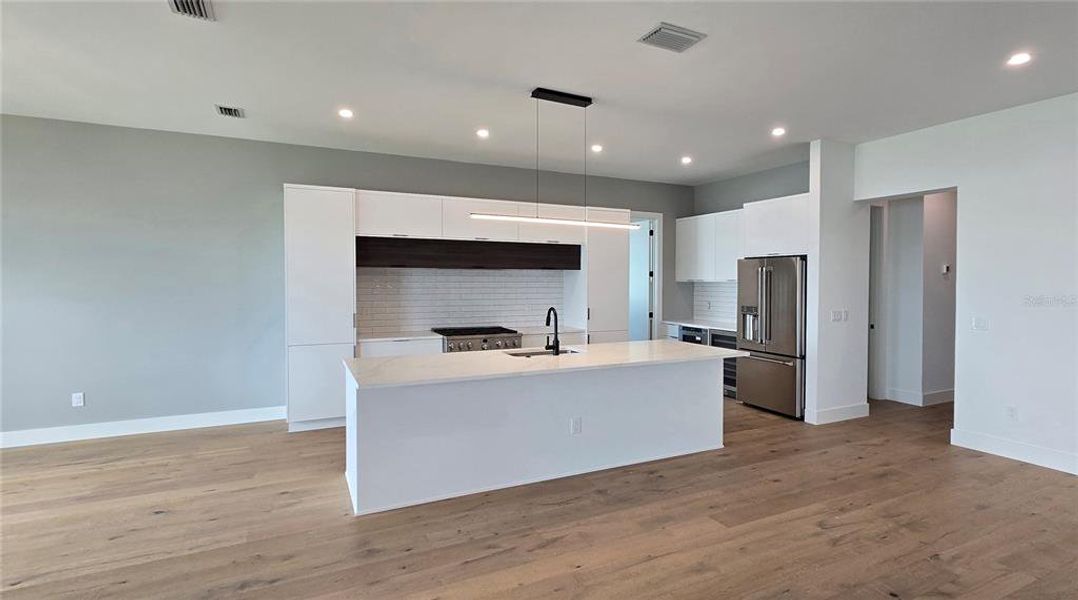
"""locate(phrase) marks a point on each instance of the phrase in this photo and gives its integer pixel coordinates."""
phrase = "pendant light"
(543, 94)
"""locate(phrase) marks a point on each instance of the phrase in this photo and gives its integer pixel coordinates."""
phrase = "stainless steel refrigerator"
(771, 327)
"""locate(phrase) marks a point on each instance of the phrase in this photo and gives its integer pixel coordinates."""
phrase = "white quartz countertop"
(702, 324)
(393, 371)
(398, 335)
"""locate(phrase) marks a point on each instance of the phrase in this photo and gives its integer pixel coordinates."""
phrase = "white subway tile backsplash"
(390, 300)
(715, 302)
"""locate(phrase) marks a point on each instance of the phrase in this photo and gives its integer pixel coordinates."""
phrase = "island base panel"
(414, 444)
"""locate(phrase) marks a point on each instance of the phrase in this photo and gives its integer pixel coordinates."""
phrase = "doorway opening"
(911, 313)
(644, 276)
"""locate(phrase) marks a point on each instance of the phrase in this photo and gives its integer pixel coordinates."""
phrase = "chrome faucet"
(556, 345)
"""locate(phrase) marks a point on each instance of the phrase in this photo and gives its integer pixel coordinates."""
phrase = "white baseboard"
(905, 396)
(89, 431)
(840, 413)
(315, 424)
(938, 397)
(1029, 453)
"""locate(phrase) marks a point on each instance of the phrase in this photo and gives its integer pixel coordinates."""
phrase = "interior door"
(783, 305)
(749, 284)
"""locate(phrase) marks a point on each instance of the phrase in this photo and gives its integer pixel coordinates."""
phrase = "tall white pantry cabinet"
(320, 301)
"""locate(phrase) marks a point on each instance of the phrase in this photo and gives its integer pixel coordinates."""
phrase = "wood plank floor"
(880, 507)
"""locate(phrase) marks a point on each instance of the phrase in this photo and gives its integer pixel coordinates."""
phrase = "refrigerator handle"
(765, 307)
(801, 276)
(759, 333)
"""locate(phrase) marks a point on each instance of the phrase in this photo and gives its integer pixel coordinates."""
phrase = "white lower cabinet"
(602, 337)
(399, 347)
(316, 382)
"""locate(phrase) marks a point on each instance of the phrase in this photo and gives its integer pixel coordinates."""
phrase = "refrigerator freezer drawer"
(772, 382)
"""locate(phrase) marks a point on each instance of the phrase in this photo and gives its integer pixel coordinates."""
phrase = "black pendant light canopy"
(541, 93)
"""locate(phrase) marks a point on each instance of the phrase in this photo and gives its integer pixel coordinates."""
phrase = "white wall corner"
(89, 431)
(937, 397)
(1021, 451)
(836, 414)
(836, 369)
(911, 397)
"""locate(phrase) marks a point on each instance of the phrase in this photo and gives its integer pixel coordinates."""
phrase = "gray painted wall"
(731, 194)
(145, 268)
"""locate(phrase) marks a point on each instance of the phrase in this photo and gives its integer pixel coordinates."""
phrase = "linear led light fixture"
(548, 221)
(584, 102)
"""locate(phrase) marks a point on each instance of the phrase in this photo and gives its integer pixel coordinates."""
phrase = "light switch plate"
(78, 399)
(979, 324)
(576, 425)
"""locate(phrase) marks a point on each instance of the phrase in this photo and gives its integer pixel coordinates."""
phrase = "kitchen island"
(426, 428)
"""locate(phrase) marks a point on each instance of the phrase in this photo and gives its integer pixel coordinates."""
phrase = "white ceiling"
(422, 77)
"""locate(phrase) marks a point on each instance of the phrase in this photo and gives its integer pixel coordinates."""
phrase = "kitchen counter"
(425, 428)
(471, 366)
(399, 335)
(703, 324)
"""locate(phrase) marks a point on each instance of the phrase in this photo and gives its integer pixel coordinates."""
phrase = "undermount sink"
(531, 353)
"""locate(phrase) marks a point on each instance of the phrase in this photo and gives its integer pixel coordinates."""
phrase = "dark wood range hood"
(464, 254)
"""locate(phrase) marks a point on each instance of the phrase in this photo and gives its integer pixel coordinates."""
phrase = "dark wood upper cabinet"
(464, 254)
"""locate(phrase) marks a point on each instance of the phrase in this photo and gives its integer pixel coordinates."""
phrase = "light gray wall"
(731, 194)
(940, 224)
(905, 292)
(145, 268)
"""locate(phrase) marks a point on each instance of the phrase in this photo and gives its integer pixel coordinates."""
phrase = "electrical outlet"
(1012, 413)
(576, 425)
(78, 399)
(979, 324)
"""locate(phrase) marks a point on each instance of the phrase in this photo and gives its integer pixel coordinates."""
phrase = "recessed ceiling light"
(482, 133)
(345, 113)
(686, 160)
(596, 148)
(1019, 58)
(778, 132)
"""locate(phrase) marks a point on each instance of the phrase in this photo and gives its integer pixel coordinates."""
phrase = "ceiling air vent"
(672, 37)
(230, 111)
(198, 9)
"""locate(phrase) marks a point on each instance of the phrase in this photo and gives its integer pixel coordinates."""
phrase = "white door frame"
(657, 267)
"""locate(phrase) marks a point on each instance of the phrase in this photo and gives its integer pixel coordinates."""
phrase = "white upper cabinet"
(457, 221)
(708, 246)
(727, 244)
(320, 265)
(694, 255)
(548, 233)
(777, 226)
(608, 272)
(391, 214)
